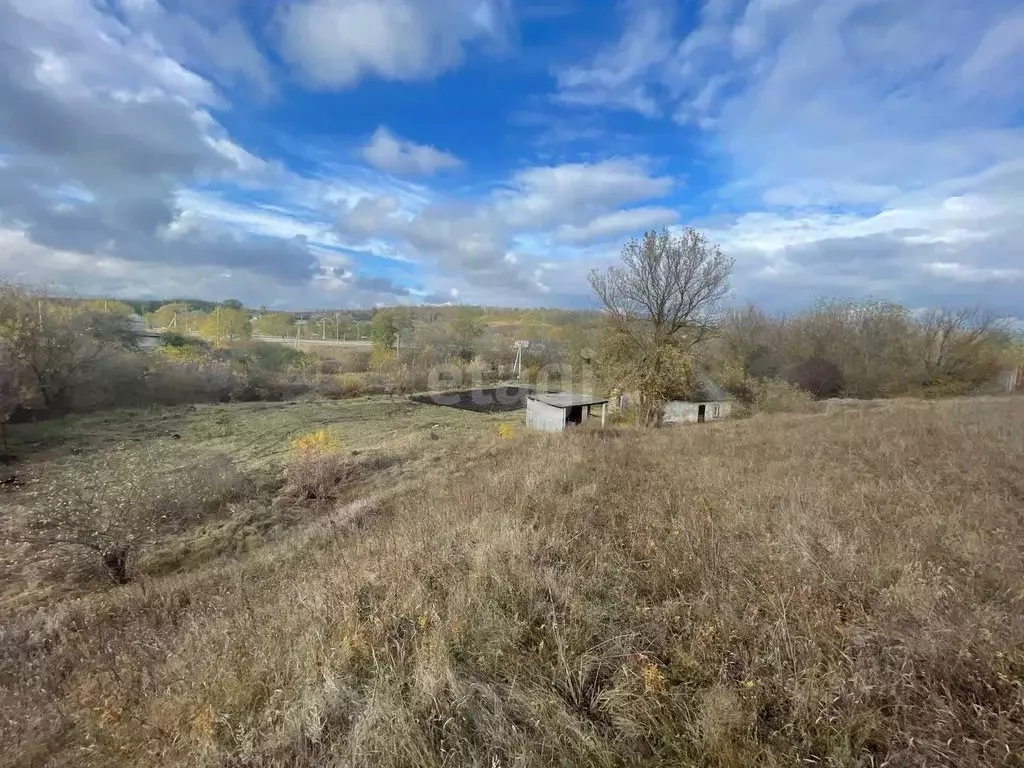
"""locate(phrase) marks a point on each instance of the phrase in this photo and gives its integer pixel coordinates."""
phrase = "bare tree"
(954, 342)
(664, 299)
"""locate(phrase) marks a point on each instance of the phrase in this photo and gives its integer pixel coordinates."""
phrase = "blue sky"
(331, 153)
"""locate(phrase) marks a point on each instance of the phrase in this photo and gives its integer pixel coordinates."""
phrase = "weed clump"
(318, 471)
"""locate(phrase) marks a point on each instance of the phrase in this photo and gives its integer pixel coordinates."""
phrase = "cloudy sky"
(329, 153)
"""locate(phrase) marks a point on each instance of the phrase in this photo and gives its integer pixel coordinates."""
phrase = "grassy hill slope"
(840, 589)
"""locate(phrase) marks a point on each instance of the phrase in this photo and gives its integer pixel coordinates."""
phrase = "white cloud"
(629, 221)
(395, 155)
(334, 285)
(970, 274)
(898, 92)
(1000, 52)
(221, 46)
(87, 105)
(574, 193)
(195, 205)
(620, 76)
(869, 140)
(926, 248)
(506, 241)
(338, 42)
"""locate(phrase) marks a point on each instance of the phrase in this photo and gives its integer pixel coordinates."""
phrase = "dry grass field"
(836, 589)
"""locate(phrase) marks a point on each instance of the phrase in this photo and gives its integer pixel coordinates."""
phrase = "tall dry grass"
(837, 589)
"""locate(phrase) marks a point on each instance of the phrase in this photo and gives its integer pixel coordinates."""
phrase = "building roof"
(567, 399)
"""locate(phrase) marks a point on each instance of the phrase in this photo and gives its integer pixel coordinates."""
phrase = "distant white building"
(683, 412)
(708, 404)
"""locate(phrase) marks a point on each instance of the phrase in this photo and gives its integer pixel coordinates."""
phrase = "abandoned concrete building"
(706, 403)
(557, 411)
(682, 412)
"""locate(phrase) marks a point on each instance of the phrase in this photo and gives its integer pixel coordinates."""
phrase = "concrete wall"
(544, 417)
(679, 412)
(149, 342)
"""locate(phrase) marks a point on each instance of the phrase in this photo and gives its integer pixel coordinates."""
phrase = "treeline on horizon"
(426, 311)
(834, 348)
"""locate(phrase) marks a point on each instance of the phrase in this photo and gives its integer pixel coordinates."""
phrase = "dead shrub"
(342, 386)
(96, 517)
(318, 479)
(318, 472)
(353, 361)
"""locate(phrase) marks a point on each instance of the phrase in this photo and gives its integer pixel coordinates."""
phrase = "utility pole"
(517, 366)
(337, 326)
(323, 329)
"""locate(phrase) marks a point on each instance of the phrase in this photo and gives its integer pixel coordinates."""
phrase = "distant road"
(362, 343)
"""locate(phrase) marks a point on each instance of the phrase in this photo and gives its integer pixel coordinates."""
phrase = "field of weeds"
(841, 588)
(164, 490)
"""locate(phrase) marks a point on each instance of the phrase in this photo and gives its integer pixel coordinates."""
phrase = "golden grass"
(839, 589)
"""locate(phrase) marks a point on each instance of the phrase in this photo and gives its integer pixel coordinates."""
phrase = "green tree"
(223, 326)
(232, 304)
(662, 301)
(275, 324)
(386, 326)
(171, 316)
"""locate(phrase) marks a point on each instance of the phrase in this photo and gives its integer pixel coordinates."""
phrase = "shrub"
(178, 341)
(382, 358)
(816, 375)
(10, 396)
(260, 385)
(116, 381)
(318, 442)
(272, 357)
(776, 396)
(343, 385)
(318, 471)
(354, 361)
(173, 380)
(317, 478)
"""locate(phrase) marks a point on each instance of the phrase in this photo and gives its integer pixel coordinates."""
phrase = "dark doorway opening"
(701, 413)
(574, 415)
